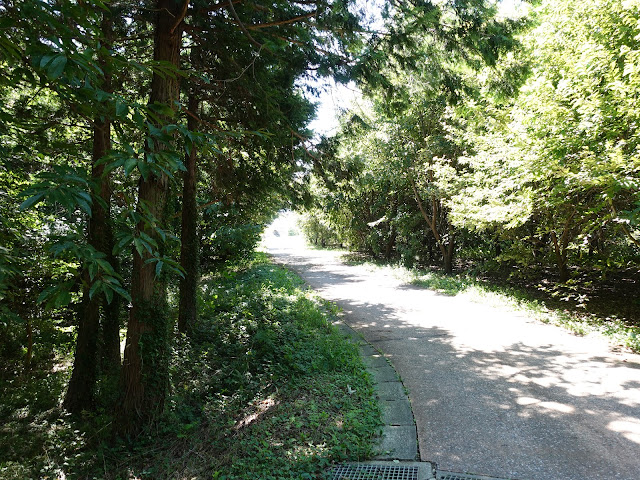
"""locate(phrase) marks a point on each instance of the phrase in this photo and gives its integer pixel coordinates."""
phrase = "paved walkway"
(493, 392)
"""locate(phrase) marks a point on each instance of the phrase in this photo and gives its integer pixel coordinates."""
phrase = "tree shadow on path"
(512, 407)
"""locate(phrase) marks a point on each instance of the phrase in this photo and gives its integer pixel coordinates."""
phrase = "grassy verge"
(548, 305)
(266, 388)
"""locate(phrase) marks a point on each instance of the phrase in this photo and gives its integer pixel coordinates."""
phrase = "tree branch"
(304, 140)
(242, 27)
(200, 120)
(282, 22)
(180, 17)
(217, 6)
(345, 60)
(623, 226)
(431, 222)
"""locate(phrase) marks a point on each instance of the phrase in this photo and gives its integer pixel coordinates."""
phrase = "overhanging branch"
(242, 26)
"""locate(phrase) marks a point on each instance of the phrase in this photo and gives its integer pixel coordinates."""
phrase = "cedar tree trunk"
(145, 371)
(81, 386)
(79, 395)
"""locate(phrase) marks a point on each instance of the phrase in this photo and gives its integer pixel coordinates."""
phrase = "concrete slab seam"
(399, 437)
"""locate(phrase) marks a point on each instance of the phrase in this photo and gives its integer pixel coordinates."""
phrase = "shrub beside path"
(493, 392)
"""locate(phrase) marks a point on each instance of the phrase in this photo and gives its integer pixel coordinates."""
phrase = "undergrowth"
(265, 388)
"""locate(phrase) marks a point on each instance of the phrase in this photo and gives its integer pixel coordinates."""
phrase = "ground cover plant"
(265, 387)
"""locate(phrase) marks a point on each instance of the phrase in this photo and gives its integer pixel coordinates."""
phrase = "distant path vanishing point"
(493, 392)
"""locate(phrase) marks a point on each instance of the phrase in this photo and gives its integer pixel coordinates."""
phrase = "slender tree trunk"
(430, 252)
(391, 240)
(625, 229)
(561, 258)
(79, 395)
(25, 312)
(446, 249)
(29, 357)
(561, 245)
(110, 360)
(189, 251)
(145, 374)
(497, 247)
(448, 255)
(83, 378)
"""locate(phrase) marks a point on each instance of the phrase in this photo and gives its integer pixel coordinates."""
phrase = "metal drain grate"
(374, 472)
(440, 475)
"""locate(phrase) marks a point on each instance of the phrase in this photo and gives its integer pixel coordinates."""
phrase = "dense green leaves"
(531, 159)
(102, 104)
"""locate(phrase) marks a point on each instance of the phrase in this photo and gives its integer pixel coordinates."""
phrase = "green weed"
(264, 388)
(444, 284)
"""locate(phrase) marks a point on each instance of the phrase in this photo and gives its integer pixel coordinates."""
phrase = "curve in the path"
(493, 392)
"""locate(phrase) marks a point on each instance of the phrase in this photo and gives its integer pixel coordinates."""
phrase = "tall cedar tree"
(79, 394)
(253, 53)
(145, 369)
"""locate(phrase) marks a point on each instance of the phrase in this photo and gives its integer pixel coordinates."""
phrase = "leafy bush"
(318, 230)
(230, 243)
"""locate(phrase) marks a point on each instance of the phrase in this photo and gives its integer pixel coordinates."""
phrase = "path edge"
(399, 440)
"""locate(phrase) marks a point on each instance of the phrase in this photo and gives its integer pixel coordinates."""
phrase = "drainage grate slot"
(374, 472)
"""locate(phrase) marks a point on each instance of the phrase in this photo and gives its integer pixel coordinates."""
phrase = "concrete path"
(493, 392)
(399, 441)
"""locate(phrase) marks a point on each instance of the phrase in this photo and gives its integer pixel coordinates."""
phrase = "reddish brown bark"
(145, 367)
(80, 392)
(81, 385)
